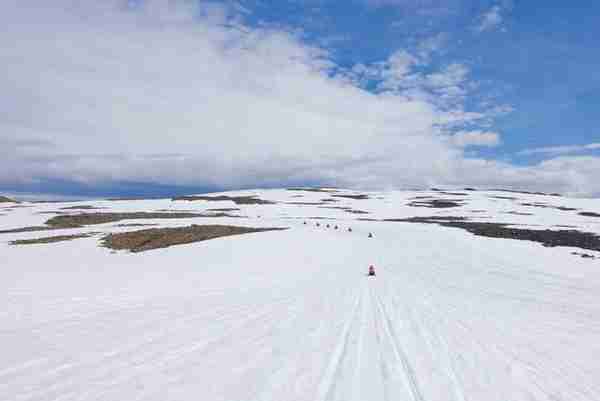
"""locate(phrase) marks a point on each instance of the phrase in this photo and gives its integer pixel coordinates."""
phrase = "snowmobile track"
(400, 355)
(332, 372)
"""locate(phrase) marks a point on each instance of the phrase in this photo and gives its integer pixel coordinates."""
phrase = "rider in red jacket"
(371, 270)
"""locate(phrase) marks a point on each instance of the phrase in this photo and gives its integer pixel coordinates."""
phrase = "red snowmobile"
(371, 271)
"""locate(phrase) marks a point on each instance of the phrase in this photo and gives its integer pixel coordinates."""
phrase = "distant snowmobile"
(370, 235)
(371, 271)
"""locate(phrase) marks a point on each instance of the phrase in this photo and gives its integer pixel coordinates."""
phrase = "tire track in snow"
(328, 382)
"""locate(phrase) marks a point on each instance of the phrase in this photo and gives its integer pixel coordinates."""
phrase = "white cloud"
(464, 139)
(561, 150)
(430, 45)
(169, 93)
(491, 19)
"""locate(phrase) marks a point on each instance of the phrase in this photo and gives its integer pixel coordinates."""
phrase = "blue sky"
(541, 58)
(150, 97)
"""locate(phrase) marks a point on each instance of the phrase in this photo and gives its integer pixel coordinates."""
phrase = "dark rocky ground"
(549, 238)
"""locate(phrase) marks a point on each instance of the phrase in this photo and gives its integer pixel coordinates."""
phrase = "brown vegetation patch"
(4, 199)
(154, 238)
(50, 240)
(238, 200)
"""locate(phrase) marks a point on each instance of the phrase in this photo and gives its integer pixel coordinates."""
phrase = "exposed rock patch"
(305, 203)
(154, 238)
(436, 203)
(452, 193)
(312, 190)
(135, 225)
(65, 221)
(238, 200)
(584, 255)
(27, 229)
(82, 207)
(549, 238)
(87, 219)
(355, 197)
(4, 199)
(519, 213)
(50, 240)
(546, 206)
(524, 192)
(589, 214)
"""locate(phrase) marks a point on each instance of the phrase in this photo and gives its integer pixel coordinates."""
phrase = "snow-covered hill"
(479, 295)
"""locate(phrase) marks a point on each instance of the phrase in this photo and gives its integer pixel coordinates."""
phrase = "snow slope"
(290, 315)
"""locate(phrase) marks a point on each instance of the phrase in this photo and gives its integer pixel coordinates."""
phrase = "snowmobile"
(371, 271)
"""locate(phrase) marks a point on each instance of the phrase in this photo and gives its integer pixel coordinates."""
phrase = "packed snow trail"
(292, 315)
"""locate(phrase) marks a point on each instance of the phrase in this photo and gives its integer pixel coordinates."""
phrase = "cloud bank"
(184, 93)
